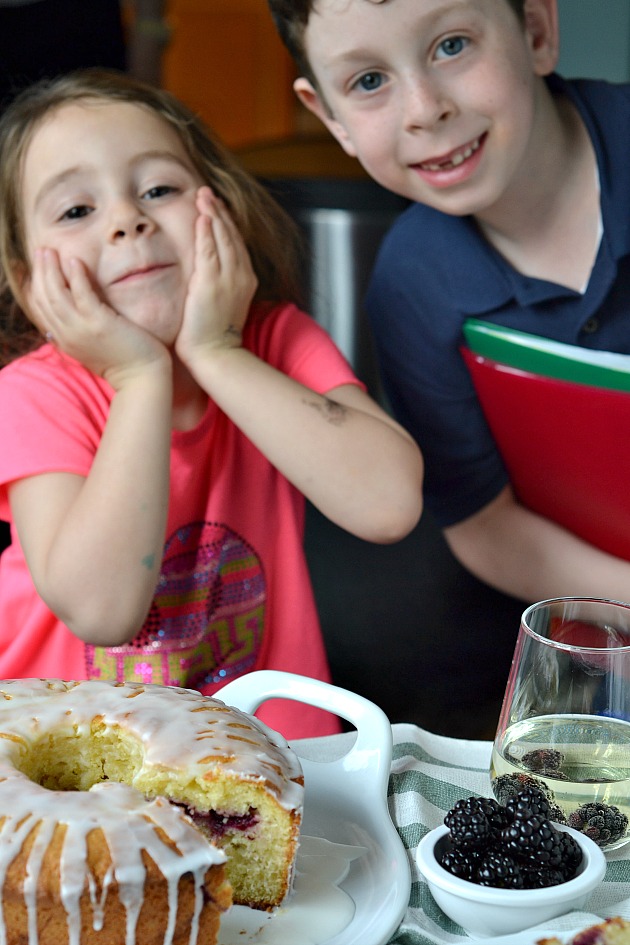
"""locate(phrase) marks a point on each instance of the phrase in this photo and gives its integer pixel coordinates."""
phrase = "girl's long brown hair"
(272, 238)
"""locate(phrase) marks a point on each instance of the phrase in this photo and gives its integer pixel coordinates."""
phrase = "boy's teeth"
(456, 160)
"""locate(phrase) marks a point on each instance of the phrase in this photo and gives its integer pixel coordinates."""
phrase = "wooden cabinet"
(227, 63)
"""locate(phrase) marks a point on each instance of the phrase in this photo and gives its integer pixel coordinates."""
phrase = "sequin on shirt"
(206, 622)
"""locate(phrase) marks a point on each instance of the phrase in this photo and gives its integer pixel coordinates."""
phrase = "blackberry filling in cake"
(216, 824)
(96, 778)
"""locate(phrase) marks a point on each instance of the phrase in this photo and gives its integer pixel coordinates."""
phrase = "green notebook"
(548, 358)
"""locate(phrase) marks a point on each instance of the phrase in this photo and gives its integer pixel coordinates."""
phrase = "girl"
(167, 406)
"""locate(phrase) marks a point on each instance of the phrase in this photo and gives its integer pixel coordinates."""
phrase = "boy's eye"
(75, 213)
(370, 81)
(161, 190)
(451, 46)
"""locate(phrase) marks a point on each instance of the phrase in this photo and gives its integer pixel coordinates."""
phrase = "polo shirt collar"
(483, 281)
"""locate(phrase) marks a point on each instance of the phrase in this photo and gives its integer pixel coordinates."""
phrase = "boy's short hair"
(291, 18)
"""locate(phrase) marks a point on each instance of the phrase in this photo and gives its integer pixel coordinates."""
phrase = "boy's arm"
(519, 552)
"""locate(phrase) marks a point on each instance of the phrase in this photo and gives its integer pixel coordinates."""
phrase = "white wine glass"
(565, 720)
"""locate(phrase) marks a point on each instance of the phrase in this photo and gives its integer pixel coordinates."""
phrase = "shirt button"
(590, 326)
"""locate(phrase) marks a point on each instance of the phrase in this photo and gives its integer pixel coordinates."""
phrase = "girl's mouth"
(141, 272)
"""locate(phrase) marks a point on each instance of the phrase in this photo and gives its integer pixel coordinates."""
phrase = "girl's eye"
(160, 190)
(452, 46)
(75, 213)
(370, 81)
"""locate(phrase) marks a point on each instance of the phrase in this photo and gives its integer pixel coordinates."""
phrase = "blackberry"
(531, 800)
(545, 761)
(509, 785)
(461, 863)
(571, 855)
(556, 815)
(535, 878)
(603, 823)
(534, 840)
(475, 822)
(499, 870)
(511, 847)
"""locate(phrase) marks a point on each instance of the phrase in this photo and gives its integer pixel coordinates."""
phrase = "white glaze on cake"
(121, 812)
(178, 729)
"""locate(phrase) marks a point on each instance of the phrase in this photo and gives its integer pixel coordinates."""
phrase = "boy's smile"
(436, 98)
(454, 158)
(121, 198)
(454, 167)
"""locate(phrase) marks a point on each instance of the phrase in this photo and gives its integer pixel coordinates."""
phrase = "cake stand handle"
(373, 746)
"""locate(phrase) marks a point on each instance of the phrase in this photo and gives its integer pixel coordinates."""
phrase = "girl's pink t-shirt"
(234, 594)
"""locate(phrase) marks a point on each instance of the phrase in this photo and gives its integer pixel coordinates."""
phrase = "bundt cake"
(91, 850)
(615, 931)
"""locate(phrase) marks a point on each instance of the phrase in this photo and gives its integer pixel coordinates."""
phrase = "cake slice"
(614, 931)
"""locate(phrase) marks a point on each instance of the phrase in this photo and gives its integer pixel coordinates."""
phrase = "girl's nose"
(128, 220)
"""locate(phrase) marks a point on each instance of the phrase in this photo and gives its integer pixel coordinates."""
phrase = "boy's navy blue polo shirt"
(435, 270)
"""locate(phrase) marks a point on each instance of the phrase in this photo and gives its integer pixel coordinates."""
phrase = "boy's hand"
(221, 287)
(67, 308)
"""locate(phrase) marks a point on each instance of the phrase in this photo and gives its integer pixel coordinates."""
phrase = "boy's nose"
(425, 104)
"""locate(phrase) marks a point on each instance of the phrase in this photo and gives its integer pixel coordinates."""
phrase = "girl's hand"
(221, 287)
(67, 308)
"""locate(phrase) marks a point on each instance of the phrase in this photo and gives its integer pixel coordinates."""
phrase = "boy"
(454, 104)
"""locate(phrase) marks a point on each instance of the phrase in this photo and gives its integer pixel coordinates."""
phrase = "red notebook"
(566, 447)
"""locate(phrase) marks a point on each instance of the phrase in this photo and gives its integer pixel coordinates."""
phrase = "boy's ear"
(313, 101)
(541, 27)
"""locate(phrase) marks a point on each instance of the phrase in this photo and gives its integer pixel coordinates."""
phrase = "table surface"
(429, 773)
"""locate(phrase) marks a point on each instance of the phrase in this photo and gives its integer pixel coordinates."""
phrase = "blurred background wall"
(595, 39)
